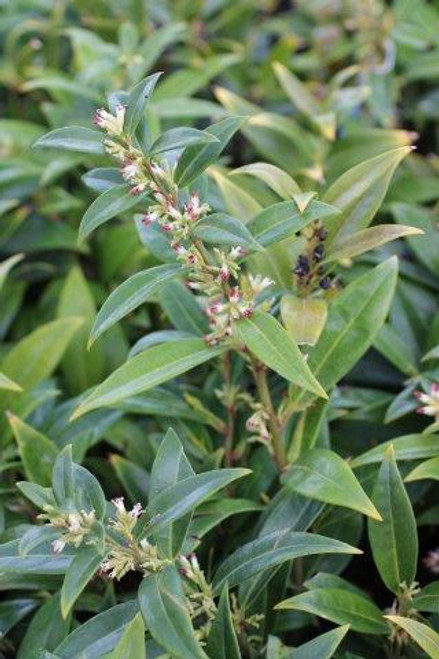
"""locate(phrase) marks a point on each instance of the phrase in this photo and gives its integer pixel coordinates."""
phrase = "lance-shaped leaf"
(197, 157)
(367, 239)
(7, 265)
(46, 629)
(132, 642)
(359, 193)
(170, 466)
(178, 138)
(99, 635)
(304, 318)
(340, 606)
(273, 549)
(407, 447)
(427, 599)
(353, 320)
(265, 337)
(323, 646)
(7, 383)
(110, 203)
(276, 179)
(296, 90)
(323, 475)
(223, 229)
(164, 609)
(427, 469)
(424, 636)
(137, 101)
(38, 452)
(222, 642)
(284, 219)
(133, 292)
(185, 495)
(79, 573)
(73, 138)
(147, 370)
(394, 541)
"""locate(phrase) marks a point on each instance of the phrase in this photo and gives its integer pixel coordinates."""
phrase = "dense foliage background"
(315, 96)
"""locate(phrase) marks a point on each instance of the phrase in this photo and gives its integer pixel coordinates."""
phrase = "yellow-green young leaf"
(133, 292)
(276, 179)
(359, 193)
(222, 642)
(265, 337)
(273, 549)
(303, 200)
(81, 369)
(164, 608)
(147, 370)
(73, 138)
(238, 202)
(353, 320)
(427, 469)
(110, 203)
(367, 239)
(296, 91)
(132, 643)
(323, 475)
(323, 646)
(424, 636)
(7, 383)
(394, 541)
(7, 265)
(340, 606)
(38, 453)
(197, 157)
(80, 571)
(304, 318)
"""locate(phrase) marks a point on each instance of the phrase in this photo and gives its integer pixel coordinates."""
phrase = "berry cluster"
(308, 271)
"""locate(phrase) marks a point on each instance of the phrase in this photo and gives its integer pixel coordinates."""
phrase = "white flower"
(136, 511)
(130, 171)
(430, 401)
(74, 523)
(119, 504)
(259, 283)
(58, 545)
(112, 124)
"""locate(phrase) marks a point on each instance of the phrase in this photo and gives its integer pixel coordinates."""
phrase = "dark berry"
(325, 283)
(322, 233)
(318, 253)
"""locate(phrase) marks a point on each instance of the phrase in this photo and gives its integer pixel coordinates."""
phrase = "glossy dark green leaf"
(424, 636)
(427, 469)
(323, 475)
(323, 646)
(37, 451)
(223, 229)
(164, 609)
(46, 630)
(110, 203)
(73, 138)
(146, 370)
(137, 102)
(12, 611)
(132, 642)
(273, 549)
(63, 483)
(80, 572)
(427, 599)
(407, 447)
(341, 607)
(178, 138)
(394, 541)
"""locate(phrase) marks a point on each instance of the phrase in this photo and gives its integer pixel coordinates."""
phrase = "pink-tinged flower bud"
(224, 273)
(167, 227)
(58, 545)
(247, 312)
(130, 171)
(179, 249)
(234, 295)
(138, 189)
(149, 218)
(137, 510)
(119, 504)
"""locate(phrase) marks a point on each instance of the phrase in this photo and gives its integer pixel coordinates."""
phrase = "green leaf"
(323, 646)
(137, 102)
(134, 478)
(392, 347)
(38, 452)
(394, 541)
(178, 138)
(276, 179)
(133, 292)
(184, 496)
(272, 345)
(12, 611)
(46, 630)
(323, 475)
(88, 492)
(7, 383)
(304, 318)
(424, 636)
(273, 549)
(99, 635)
(7, 265)
(197, 157)
(223, 229)
(359, 193)
(62, 479)
(427, 600)
(183, 308)
(407, 447)
(110, 203)
(284, 219)
(79, 573)
(146, 370)
(73, 138)
(367, 239)
(132, 642)
(296, 91)
(40, 496)
(427, 469)
(354, 318)
(170, 466)
(222, 642)
(339, 606)
(164, 609)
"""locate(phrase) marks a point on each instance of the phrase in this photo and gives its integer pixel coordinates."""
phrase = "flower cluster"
(430, 401)
(199, 594)
(76, 527)
(257, 425)
(215, 274)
